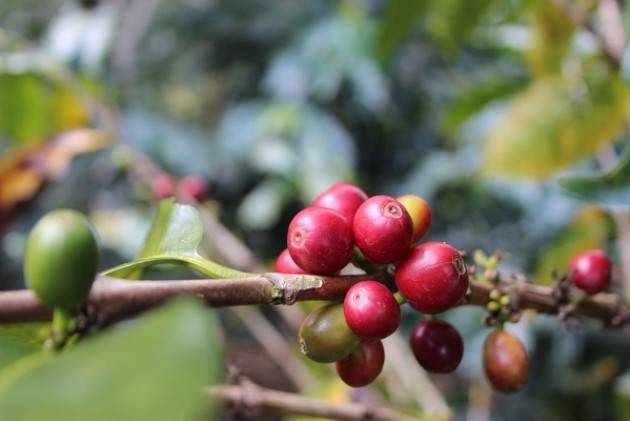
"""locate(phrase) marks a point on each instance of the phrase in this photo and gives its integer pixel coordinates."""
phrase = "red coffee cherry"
(363, 365)
(320, 240)
(505, 361)
(432, 277)
(345, 198)
(590, 271)
(420, 213)
(192, 186)
(371, 310)
(163, 186)
(437, 346)
(285, 264)
(382, 229)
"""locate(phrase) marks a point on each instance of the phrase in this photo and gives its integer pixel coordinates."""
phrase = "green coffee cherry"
(61, 259)
(324, 335)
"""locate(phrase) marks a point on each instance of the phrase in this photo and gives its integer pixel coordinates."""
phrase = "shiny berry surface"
(163, 186)
(420, 213)
(324, 335)
(505, 361)
(432, 277)
(590, 271)
(382, 229)
(320, 240)
(345, 198)
(363, 365)
(371, 310)
(285, 264)
(437, 346)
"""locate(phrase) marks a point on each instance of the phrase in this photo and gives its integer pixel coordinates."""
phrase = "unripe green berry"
(61, 259)
(324, 335)
(505, 300)
(495, 294)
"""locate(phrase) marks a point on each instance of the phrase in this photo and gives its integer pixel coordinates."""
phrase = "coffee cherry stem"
(400, 299)
(61, 326)
(363, 263)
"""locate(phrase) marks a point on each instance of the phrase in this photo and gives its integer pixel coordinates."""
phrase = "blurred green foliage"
(476, 105)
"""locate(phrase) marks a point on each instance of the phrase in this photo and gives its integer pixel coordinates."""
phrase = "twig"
(115, 299)
(253, 398)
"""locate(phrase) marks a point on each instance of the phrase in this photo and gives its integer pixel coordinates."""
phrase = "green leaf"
(452, 22)
(20, 339)
(475, 96)
(554, 123)
(174, 237)
(611, 187)
(552, 34)
(33, 107)
(399, 19)
(588, 230)
(154, 368)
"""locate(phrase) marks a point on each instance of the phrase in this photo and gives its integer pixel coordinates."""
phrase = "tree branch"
(114, 299)
(251, 398)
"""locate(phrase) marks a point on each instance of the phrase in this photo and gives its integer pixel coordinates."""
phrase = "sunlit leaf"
(552, 34)
(174, 237)
(554, 123)
(611, 187)
(588, 230)
(154, 369)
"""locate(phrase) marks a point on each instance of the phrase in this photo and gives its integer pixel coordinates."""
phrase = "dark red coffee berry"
(590, 271)
(505, 361)
(285, 264)
(382, 229)
(320, 240)
(192, 186)
(437, 346)
(163, 186)
(371, 310)
(345, 198)
(432, 277)
(363, 365)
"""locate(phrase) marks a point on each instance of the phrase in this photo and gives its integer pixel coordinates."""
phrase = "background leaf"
(174, 237)
(553, 123)
(552, 34)
(153, 369)
(610, 188)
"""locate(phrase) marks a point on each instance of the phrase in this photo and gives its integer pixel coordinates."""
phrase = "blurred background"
(480, 106)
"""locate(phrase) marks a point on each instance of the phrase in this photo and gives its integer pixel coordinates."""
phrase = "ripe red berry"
(163, 186)
(363, 365)
(590, 271)
(320, 240)
(285, 264)
(505, 361)
(345, 198)
(432, 277)
(382, 229)
(420, 213)
(192, 186)
(371, 310)
(437, 346)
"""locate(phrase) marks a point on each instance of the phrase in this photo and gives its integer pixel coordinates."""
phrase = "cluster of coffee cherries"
(190, 187)
(344, 223)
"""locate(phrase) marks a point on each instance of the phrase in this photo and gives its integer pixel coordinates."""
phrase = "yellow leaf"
(554, 123)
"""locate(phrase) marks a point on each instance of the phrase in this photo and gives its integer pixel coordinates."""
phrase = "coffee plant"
(354, 210)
